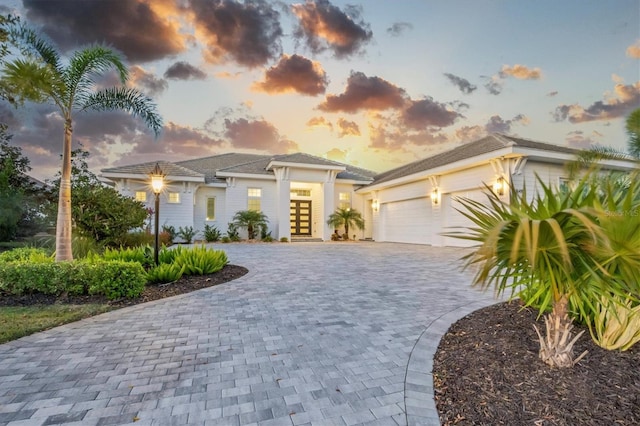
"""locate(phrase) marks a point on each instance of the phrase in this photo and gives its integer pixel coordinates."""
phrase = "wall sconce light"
(499, 186)
(375, 204)
(435, 196)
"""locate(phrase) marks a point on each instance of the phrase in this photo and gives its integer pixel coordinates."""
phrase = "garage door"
(456, 221)
(407, 221)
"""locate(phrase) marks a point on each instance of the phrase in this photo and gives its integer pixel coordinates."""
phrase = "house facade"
(415, 203)
(297, 192)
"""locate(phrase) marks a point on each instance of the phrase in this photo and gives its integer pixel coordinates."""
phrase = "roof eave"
(145, 177)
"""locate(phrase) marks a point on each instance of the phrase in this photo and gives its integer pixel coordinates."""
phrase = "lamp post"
(157, 182)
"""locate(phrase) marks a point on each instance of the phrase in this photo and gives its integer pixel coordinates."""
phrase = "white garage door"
(454, 221)
(407, 221)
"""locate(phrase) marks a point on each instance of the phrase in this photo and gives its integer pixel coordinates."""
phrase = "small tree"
(252, 220)
(346, 217)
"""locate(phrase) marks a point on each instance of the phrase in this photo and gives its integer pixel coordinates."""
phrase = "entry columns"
(283, 200)
(328, 206)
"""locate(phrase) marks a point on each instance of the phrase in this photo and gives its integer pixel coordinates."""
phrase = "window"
(211, 208)
(254, 196)
(174, 197)
(345, 200)
(301, 192)
(141, 196)
(564, 184)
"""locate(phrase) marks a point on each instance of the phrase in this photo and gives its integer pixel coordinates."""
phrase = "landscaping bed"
(487, 372)
(185, 284)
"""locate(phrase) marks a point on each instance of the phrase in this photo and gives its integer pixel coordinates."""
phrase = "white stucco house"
(414, 203)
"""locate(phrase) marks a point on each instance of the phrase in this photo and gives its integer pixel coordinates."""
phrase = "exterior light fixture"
(499, 186)
(375, 204)
(157, 182)
(435, 196)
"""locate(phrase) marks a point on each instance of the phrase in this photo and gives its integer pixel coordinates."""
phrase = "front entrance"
(300, 217)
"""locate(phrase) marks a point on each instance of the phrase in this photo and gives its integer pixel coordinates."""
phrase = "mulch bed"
(185, 284)
(486, 371)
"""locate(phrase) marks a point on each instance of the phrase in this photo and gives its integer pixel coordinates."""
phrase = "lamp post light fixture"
(157, 182)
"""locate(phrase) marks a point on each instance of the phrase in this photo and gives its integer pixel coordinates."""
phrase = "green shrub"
(26, 254)
(225, 239)
(165, 273)
(201, 260)
(268, 238)
(211, 233)
(142, 255)
(171, 232)
(187, 233)
(84, 246)
(24, 277)
(169, 255)
(284, 240)
(137, 239)
(232, 232)
(117, 279)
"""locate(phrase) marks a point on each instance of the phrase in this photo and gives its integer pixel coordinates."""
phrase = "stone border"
(419, 398)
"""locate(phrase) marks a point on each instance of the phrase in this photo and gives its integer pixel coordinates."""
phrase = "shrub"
(165, 239)
(232, 232)
(211, 233)
(284, 240)
(165, 273)
(27, 254)
(171, 232)
(201, 260)
(137, 239)
(225, 240)
(117, 279)
(187, 233)
(268, 238)
(84, 246)
(617, 324)
(142, 255)
(169, 255)
(113, 279)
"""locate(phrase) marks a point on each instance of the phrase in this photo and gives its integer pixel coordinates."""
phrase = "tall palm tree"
(633, 131)
(40, 76)
(346, 217)
(251, 220)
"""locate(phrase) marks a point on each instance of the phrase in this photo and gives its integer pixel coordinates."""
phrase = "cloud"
(624, 99)
(497, 124)
(428, 113)
(325, 27)
(552, 94)
(136, 27)
(633, 51)
(147, 82)
(336, 154)
(256, 134)
(294, 74)
(182, 70)
(462, 83)
(347, 128)
(521, 72)
(319, 121)
(248, 33)
(577, 139)
(399, 28)
(365, 93)
(386, 132)
(470, 133)
(495, 83)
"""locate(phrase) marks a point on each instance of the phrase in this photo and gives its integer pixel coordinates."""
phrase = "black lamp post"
(157, 182)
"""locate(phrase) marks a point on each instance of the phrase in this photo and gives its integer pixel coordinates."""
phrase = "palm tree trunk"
(63, 225)
(346, 229)
(556, 348)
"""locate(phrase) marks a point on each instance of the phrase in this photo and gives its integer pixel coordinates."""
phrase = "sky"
(376, 84)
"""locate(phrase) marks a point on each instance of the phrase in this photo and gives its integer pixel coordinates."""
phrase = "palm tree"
(347, 217)
(633, 131)
(41, 77)
(543, 250)
(251, 220)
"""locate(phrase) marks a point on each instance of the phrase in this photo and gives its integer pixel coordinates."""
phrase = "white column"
(328, 205)
(282, 221)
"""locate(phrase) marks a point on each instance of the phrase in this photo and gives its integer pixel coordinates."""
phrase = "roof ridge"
(262, 157)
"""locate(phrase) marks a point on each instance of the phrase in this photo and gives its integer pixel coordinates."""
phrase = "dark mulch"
(185, 284)
(486, 371)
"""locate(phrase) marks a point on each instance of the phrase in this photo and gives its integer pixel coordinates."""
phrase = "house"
(414, 203)
(297, 192)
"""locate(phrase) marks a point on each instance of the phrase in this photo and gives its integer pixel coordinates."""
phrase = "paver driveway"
(316, 333)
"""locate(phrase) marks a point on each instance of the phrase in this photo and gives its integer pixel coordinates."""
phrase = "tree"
(633, 131)
(5, 22)
(557, 250)
(41, 77)
(346, 217)
(252, 220)
(97, 211)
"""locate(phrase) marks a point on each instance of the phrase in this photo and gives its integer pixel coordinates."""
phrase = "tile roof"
(209, 167)
(487, 144)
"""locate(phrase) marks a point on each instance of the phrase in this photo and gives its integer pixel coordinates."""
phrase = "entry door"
(300, 215)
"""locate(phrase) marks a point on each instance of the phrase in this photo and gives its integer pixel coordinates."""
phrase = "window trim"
(206, 215)
(177, 195)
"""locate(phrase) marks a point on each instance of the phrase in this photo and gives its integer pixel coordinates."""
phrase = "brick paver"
(316, 333)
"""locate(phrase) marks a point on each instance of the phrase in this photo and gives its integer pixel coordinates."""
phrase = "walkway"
(316, 333)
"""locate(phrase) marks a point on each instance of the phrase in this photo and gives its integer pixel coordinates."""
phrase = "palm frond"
(125, 99)
(32, 43)
(33, 80)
